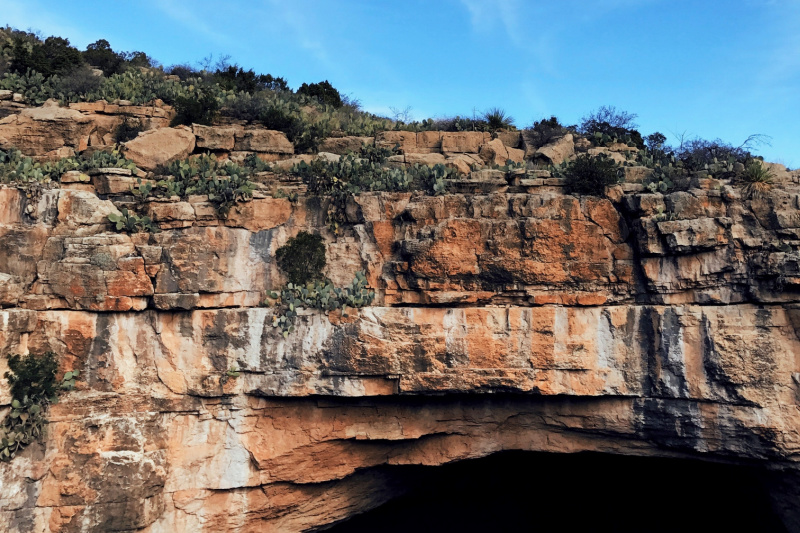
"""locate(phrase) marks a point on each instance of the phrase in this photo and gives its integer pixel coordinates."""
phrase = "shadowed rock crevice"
(518, 491)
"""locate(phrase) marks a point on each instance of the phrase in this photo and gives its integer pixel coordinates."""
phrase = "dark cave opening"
(583, 492)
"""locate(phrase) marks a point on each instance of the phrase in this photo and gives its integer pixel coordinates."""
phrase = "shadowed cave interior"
(528, 491)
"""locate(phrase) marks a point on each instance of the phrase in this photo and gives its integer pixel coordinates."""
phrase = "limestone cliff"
(508, 316)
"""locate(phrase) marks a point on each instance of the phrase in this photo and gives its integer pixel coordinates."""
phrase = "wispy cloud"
(307, 35)
(192, 19)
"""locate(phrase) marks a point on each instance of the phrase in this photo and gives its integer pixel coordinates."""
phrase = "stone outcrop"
(557, 151)
(154, 148)
(38, 130)
(508, 316)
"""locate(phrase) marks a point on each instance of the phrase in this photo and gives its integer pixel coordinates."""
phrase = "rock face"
(158, 147)
(516, 318)
(36, 131)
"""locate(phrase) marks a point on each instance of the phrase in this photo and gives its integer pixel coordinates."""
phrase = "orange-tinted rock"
(159, 147)
(464, 141)
(636, 323)
(261, 140)
(38, 130)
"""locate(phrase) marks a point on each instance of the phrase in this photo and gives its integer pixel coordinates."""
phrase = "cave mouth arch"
(588, 491)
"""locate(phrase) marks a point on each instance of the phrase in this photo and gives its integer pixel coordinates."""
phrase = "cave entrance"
(583, 492)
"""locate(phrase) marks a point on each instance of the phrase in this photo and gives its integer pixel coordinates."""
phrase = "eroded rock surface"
(511, 317)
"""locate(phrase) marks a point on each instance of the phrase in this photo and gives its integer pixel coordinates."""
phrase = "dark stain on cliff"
(716, 375)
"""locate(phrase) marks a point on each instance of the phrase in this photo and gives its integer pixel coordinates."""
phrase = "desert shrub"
(545, 131)
(138, 60)
(322, 91)
(99, 54)
(590, 175)
(132, 223)
(201, 107)
(302, 257)
(656, 141)
(459, 123)
(235, 78)
(277, 111)
(184, 71)
(608, 125)
(498, 119)
(699, 154)
(32, 377)
(757, 179)
(78, 84)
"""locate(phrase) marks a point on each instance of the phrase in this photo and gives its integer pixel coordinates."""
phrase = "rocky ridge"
(508, 316)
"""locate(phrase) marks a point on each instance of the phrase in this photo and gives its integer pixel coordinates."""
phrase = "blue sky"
(715, 69)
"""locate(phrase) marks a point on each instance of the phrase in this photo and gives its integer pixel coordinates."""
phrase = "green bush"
(545, 131)
(32, 377)
(100, 55)
(16, 168)
(356, 173)
(322, 91)
(225, 183)
(590, 175)
(235, 78)
(198, 108)
(51, 57)
(281, 112)
(78, 84)
(132, 223)
(302, 258)
(320, 295)
(607, 125)
(33, 386)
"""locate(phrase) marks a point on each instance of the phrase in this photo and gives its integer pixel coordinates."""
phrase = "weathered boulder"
(38, 130)
(215, 137)
(461, 163)
(261, 140)
(512, 139)
(159, 147)
(496, 153)
(557, 151)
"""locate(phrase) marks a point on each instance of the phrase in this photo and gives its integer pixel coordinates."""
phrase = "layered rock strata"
(516, 318)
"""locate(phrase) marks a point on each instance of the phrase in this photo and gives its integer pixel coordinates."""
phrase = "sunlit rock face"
(511, 318)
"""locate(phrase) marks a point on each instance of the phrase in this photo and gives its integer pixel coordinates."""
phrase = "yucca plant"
(757, 179)
(498, 119)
